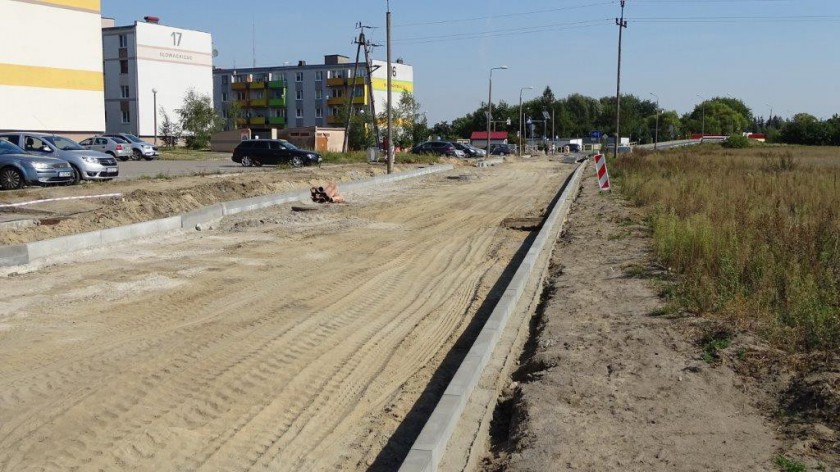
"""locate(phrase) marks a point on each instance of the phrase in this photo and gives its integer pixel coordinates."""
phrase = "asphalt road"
(136, 169)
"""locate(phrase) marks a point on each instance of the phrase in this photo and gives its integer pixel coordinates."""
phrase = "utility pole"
(656, 133)
(350, 86)
(390, 72)
(372, 103)
(622, 23)
(490, 105)
(521, 118)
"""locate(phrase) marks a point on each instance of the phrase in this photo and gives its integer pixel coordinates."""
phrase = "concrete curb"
(23, 254)
(430, 445)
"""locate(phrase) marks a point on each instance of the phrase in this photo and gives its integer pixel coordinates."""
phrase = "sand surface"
(276, 340)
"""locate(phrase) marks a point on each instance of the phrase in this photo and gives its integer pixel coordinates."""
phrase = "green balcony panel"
(276, 84)
(277, 102)
(277, 120)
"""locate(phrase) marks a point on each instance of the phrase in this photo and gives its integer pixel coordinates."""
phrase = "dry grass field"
(753, 235)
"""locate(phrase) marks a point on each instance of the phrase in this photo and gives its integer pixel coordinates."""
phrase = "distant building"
(51, 67)
(149, 67)
(479, 138)
(302, 95)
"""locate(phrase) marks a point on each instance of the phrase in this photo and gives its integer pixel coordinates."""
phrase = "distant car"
(438, 148)
(256, 152)
(86, 164)
(501, 150)
(17, 168)
(470, 150)
(140, 149)
(116, 147)
(574, 147)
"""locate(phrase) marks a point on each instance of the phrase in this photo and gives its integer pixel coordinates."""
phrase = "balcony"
(257, 85)
(334, 120)
(338, 101)
(257, 120)
(241, 103)
(258, 103)
(277, 120)
(340, 82)
(277, 102)
(239, 85)
(276, 84)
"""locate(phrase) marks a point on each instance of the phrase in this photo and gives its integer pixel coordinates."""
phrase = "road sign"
(595, 135)
(546, 115)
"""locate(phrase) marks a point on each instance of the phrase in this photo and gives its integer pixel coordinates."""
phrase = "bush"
(737, 141)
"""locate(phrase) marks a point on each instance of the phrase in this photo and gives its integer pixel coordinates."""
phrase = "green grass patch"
(788, 465)
(713, 343)
(356, 157)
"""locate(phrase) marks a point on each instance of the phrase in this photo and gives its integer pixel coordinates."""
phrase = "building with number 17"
(149, 68)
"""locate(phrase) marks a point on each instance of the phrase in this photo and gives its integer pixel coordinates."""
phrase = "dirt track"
(279, 341)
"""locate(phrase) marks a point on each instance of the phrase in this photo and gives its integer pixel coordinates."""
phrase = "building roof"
(478, 135)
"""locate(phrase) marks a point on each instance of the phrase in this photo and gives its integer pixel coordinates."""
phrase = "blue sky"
(770, 53)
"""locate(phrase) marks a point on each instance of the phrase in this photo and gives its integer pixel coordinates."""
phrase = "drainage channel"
(430, 445)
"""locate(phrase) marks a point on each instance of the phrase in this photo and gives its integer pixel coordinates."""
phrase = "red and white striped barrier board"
(601, 172)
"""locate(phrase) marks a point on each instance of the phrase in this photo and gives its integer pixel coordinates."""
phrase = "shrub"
(737, 141)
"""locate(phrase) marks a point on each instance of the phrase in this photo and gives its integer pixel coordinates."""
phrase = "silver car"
(116, 147)
(86, 164)
(140, 148)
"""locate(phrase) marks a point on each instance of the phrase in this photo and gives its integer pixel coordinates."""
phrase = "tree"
(199, 119)
(235, 114)
(409, 125)
(170, 130)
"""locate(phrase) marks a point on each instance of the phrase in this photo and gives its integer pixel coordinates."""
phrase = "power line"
(504, 15)
(504, 32)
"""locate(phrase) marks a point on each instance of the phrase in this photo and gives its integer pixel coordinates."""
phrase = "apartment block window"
(299, 95)
(299, 113)
(319, 113)
(225, 79)
(126, 116)
(224, 96)
(123, 91)
(123, 41)
(319, 94)
(298, 76)
(319, 75)
(123, 67)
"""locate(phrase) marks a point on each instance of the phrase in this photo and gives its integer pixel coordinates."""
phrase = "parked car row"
(17, 168)
(447, 148)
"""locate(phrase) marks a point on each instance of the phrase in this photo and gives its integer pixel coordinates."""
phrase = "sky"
(779, 55)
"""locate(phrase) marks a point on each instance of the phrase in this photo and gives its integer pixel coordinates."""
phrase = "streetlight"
(154, 103)
(490, 105)
(656, 133)
(520, 116)
(703, 129)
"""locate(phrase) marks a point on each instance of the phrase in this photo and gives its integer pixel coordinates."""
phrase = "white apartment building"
(150, 67)
(51, 67)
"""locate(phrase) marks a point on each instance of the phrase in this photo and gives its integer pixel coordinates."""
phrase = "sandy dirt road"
(277, 341)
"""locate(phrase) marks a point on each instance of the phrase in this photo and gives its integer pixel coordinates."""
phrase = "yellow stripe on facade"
(93, 6)
(400, 85)
(49, 77)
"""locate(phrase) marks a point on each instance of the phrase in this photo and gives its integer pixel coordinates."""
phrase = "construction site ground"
(276, 339)
(286, 340)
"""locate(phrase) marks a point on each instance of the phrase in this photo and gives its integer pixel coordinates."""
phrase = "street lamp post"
(521, 127)
(490, 105)
(656, 133)
(154, 103)
(703, 129)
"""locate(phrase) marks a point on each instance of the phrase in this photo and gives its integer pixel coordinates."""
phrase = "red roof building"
(479, 138)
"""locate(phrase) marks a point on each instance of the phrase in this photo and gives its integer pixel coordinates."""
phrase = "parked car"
(17, 168)
(140, 149)
(470, 150)
(501, 150)
(116, 147)
(257, 152)
(439, 148)
(86, 164)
